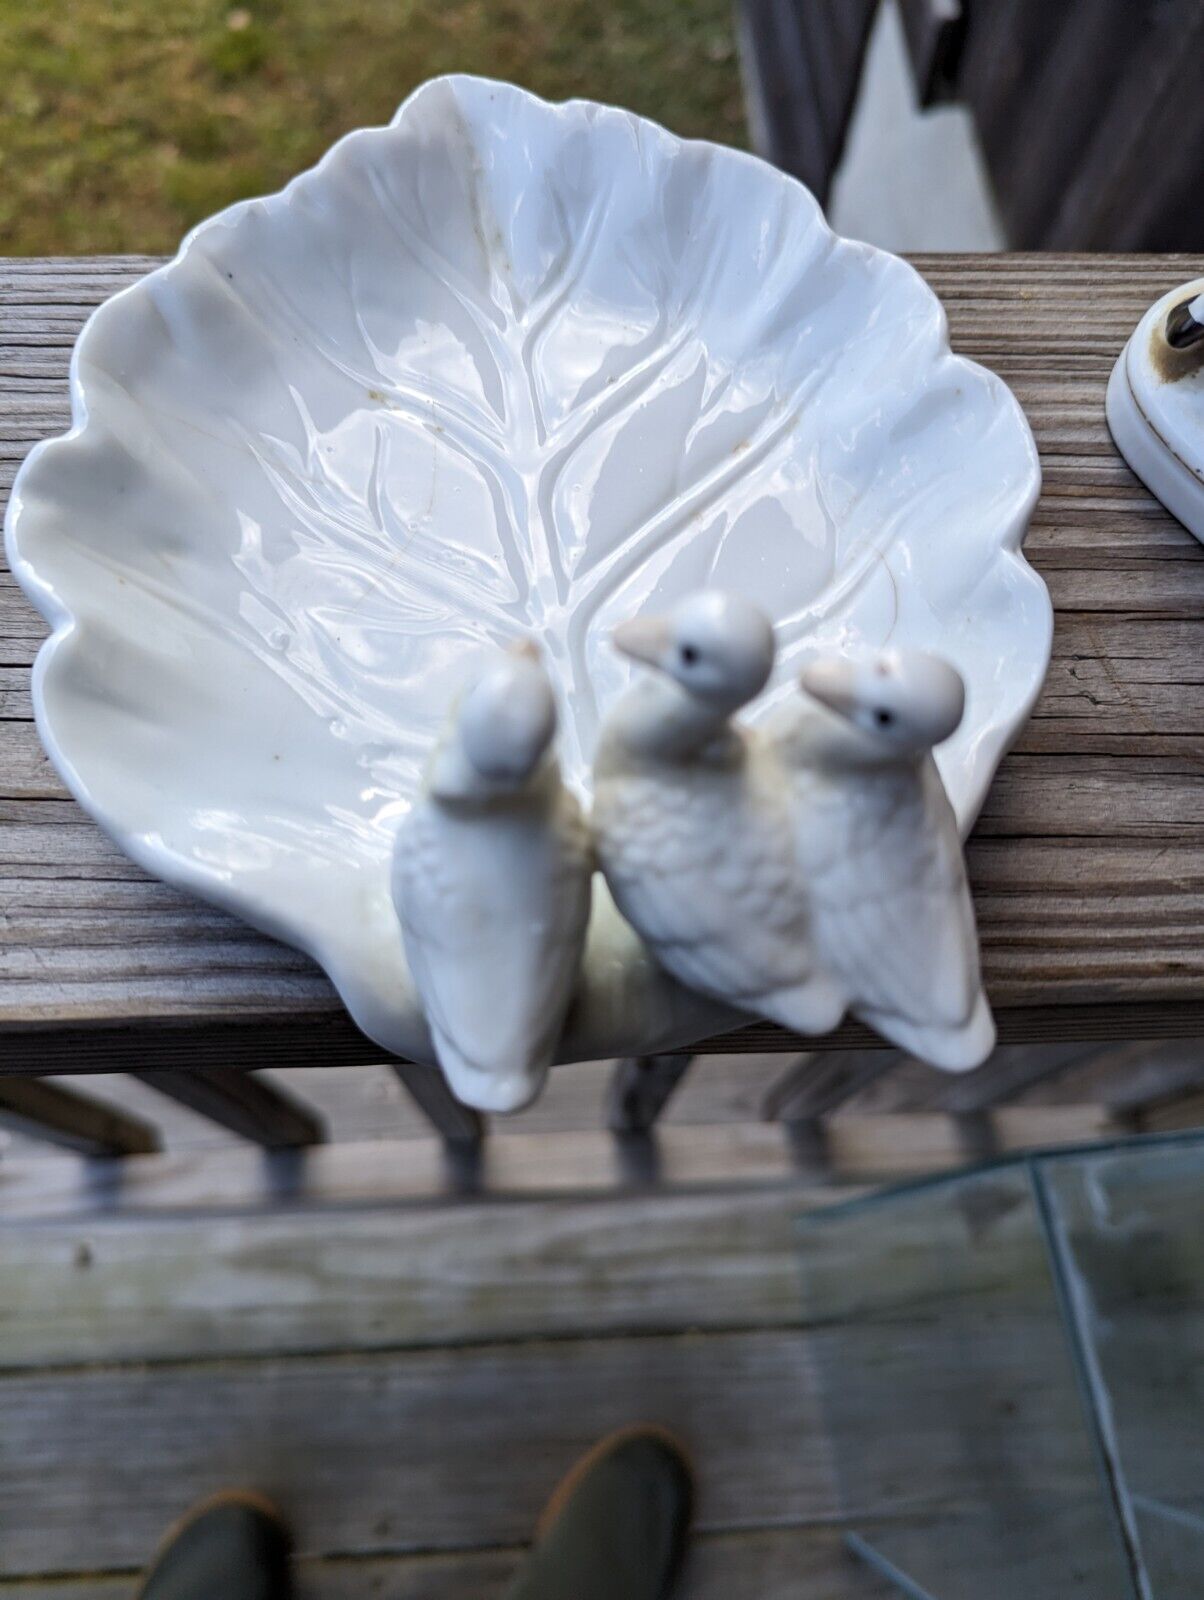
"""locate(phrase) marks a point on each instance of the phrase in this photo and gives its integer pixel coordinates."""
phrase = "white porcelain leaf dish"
(501, 367)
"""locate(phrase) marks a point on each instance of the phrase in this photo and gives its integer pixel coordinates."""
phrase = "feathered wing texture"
(700, 860)
(892, 909)
(494, 912)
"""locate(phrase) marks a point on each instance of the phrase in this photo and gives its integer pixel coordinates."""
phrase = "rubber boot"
(232, 1547)
(616, 1527)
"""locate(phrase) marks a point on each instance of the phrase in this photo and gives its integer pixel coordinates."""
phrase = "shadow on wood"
(239, 1101)
(75, 1121)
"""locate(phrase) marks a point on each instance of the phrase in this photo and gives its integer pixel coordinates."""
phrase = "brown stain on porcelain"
(1171, 364)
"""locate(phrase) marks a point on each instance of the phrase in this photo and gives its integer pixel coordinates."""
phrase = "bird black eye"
(884, 718)
(688, 654)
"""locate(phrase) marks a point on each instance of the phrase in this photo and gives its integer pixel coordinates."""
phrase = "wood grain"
(510, 1166)
(769, 1563)
(299, 1353)
(368, 1102)
(401, 1452)
(1088, 863)
(376, 1454)
(146, 1287)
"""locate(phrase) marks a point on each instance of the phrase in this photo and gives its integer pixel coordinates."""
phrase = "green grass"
(123, 122)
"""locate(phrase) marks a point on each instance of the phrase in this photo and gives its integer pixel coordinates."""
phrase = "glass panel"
(1130, 1224)
(950, 1397)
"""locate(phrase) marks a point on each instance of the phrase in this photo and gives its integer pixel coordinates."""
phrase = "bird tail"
(482, 1088)
(952, 1049)
(815, 1006)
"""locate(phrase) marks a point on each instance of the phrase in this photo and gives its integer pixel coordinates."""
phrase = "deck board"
(393, 1452)
(512, 1166)
(408, 1384)
(163, 1288)
(770, 1564)
(1088, 863)
(397, 1453)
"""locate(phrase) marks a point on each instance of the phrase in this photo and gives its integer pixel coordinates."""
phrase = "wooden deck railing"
(1087, 862)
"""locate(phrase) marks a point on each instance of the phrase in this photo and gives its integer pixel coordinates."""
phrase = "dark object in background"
(802, 64)
(1090, 112)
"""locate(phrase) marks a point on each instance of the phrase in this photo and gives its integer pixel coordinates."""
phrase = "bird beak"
(525, 649)
(832, 681)
(645, 639)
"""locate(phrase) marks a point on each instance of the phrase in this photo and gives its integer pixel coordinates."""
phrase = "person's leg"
(616, 1527)
(232, 1547)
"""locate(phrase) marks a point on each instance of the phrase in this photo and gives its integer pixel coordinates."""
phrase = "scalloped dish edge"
(673, 1019)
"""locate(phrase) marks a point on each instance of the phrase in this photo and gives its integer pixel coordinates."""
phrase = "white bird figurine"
(491, 881)
(879, 846)
(692, 821)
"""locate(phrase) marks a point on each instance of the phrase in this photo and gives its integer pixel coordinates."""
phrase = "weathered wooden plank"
(1089, 862)
(108, 940)
(320, 1040)
(770, 1563)
(113, 945)
(375, 1454)
(153, 1288)
(515, 1165)
(399, 1452)
(44, 1111)
(368, 1102)
(241, 1102)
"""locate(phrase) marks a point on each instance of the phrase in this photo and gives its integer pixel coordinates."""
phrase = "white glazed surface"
(1158, 425)
(500, 367)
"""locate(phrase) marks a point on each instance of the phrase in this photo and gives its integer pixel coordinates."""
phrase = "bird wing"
(494, 927)
(701, 863)
(892, 905)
